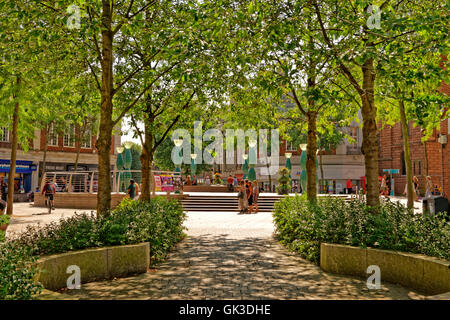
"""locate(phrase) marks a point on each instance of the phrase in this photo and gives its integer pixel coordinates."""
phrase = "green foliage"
(17, 273)
(158, 222)
(302, 226)
(284, 181)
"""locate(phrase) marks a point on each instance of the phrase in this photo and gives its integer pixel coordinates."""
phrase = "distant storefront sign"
(22, 166)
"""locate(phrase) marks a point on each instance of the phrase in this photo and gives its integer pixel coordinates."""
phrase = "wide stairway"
(225, 202)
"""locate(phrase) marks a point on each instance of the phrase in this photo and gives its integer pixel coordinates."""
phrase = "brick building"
(438, 154)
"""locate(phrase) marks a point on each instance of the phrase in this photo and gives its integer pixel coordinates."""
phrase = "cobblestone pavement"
(230, 256)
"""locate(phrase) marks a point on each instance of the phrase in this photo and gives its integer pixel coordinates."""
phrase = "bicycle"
(48, 202)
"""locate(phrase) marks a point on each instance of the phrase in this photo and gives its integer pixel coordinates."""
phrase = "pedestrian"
(188, 181)
(49, 191)
(255, 196)
(230, 183)
(235, 181)
(249, 191)
(383, 186)
(194, 180)
(349, 186)
(131, 191)
(416, 188)
(2, 206)
(428, 187)
(207, 181)
(243, 204)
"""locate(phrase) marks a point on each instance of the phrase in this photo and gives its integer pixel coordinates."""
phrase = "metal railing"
(87, 181)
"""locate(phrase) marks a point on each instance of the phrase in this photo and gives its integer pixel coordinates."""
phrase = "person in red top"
(349, 186)
(230, 181)
(49, 190)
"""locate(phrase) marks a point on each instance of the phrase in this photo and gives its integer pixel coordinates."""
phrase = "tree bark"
(370, 141)
(311, 149)
(12, 163)
(103, 143)
(321, 172)
(44, 157)
(425, 153)
(146, 163)
(409, 182)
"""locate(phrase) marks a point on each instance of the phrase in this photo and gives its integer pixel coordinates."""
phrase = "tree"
(358, 35)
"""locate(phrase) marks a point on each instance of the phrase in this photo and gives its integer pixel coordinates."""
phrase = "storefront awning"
(22, 166)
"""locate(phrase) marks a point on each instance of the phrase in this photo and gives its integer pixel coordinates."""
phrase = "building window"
(52, 137)
(69, 136)
(4, 134)
(86, 141)
(417, 168)
(290, 146)
(353, 133)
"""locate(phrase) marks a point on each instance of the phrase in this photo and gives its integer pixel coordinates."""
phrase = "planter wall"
(95, 264)
(425, 274)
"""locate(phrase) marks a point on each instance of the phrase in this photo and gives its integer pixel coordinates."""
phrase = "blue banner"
(22, 166)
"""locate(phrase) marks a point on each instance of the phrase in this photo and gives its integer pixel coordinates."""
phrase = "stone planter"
(3, 227)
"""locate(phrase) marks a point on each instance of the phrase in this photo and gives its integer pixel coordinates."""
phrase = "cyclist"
(49, 190)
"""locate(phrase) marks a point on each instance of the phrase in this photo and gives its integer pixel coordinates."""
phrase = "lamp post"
(252, 155)
(119, 163)
(178, 143)
(245, 166)
(288, 156)
(193, 165)
(128, 160)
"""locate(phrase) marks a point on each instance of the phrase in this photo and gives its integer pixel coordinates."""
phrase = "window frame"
(4, 137)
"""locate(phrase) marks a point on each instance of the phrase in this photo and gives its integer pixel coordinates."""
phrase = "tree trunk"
(44, 157)
(370, 141)
(311, 149)
(146, 163)
(103, 143)
(425, 153)
(12, 164)
(409, 182)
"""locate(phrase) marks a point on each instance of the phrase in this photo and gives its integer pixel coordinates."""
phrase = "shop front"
(23, 176)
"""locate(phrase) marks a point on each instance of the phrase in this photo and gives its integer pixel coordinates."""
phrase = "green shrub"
(159, 222)
(302, 226)
(284, 181)
(17, 273)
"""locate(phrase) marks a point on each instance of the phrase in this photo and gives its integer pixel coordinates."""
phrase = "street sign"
(392, 171)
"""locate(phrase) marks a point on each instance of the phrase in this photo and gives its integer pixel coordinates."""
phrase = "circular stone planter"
(3, 227)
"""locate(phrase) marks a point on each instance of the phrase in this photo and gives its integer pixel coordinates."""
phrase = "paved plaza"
(225, 256)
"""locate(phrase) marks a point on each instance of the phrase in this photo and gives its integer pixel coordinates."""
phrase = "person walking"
(207, 181)
(230, 183)
(249, 191)
(235, 181)
(416, 188)
(349, 186)
(428, 187)
(242, 197)
(255, 196)
(3, 189)
(131, 191)
(49, 190)
(383, 186)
